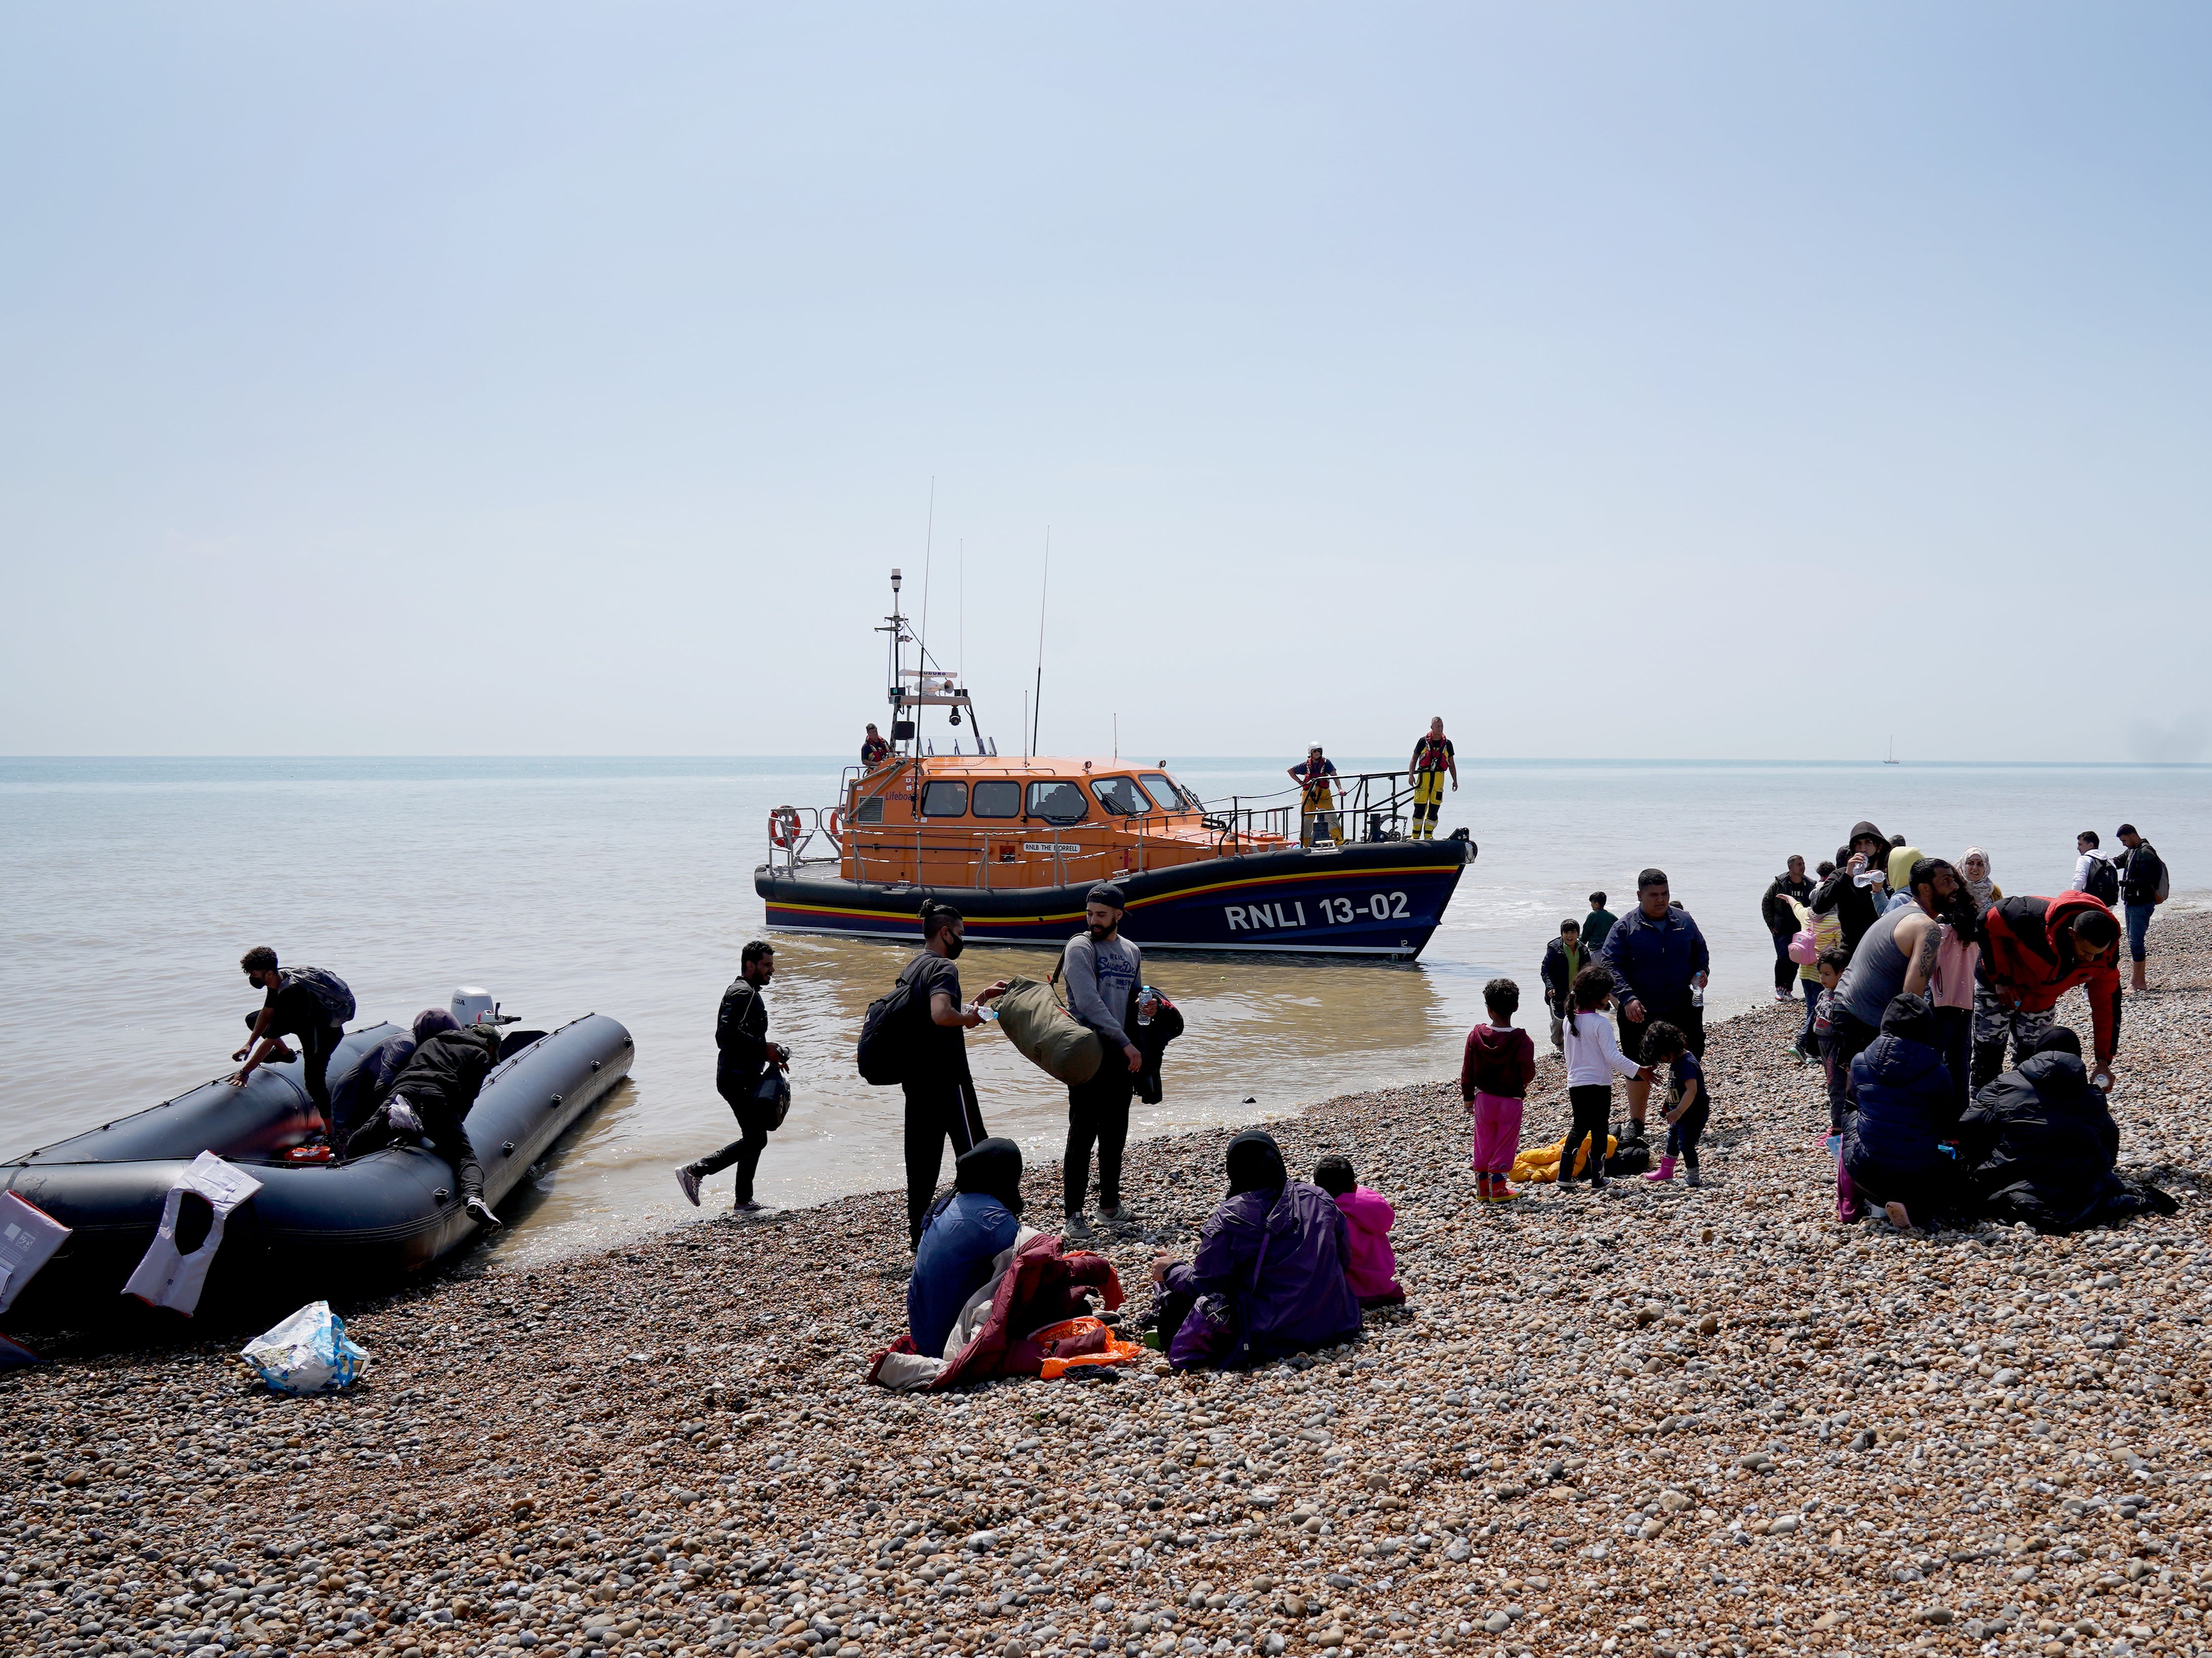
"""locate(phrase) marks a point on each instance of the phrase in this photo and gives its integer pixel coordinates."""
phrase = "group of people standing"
(1103, 973)
(1434, 759)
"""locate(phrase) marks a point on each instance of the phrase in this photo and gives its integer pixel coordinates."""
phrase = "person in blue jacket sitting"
(1894, 1153)
(960, 1239)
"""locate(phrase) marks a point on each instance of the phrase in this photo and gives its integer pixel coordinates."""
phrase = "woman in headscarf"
(1974, 870)
(961, 1237)
(1268, 1277)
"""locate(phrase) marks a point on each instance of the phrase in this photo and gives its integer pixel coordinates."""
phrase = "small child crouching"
(1688, 1105)
(1373, 1273)
(1494, 1075)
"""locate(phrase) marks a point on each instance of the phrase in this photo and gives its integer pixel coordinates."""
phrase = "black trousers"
(1785, 970)
(938, 1109)
(441, 1125)
(744, 1152)
(1685, 1018)
(1098, 1113)
(316, 1047)
(1591, 1104)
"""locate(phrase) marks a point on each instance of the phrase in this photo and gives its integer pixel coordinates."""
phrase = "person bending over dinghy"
(308, 1002)
(431, 1097)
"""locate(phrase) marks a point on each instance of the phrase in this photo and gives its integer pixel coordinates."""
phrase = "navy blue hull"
(1369, 899)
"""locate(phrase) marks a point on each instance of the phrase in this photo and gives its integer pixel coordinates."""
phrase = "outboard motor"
(472, 1005)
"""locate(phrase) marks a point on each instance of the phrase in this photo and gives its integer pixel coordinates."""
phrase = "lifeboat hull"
(1372, 899)
(313, 1232)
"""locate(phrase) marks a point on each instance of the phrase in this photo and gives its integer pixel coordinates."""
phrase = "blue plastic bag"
(308, 1353)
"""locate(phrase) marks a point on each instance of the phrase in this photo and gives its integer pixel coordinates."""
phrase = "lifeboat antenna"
(928, 544)
(1036, 708)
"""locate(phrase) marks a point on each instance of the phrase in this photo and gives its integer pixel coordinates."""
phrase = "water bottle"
(1147, 999)
(1697, 995)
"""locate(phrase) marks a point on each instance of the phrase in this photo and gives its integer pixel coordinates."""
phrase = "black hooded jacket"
(448, 1070)
(2039, 1145)
(1855, 906)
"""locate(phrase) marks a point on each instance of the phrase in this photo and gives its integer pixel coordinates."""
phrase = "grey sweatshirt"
(1099, 979)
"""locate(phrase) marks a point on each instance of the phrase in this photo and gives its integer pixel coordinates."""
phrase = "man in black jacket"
(1781, 921)
(2143, 887)
(745, 1057)
(1564, 957)
(1857, 905)
(432, 1096)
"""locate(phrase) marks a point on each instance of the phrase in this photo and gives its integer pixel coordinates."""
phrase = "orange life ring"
(834, 827)
(783, 827)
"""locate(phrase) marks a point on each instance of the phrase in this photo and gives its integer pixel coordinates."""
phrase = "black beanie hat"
(992, 1168)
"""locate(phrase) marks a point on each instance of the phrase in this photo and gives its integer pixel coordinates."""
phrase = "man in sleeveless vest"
(1433, 756)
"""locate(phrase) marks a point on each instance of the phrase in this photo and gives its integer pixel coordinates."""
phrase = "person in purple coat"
(1268, 1277)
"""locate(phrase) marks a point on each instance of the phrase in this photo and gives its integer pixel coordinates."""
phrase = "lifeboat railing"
(1369, 805)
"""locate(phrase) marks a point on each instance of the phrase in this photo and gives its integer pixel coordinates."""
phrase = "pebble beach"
(1662, 1420)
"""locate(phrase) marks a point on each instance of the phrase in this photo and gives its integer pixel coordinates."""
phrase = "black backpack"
(2104, 881)
(891, 1034)
(330, 991)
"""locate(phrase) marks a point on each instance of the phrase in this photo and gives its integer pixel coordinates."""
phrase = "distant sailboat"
(1891, 759)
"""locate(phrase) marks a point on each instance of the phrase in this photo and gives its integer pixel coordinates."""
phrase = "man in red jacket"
(2038, 948)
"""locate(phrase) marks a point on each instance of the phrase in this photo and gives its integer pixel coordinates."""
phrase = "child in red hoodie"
(1373, 1271)
(1493, 1079)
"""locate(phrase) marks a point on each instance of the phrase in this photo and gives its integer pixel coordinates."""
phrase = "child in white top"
(1593, 1056)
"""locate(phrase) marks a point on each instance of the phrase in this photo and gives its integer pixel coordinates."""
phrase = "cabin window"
(1121, 796)
(996, 800)
(944, 799)
(1168, 795)
(870, 810)
(1057, 802)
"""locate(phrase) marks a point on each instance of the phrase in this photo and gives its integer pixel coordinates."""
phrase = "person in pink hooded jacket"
(1373, 1270)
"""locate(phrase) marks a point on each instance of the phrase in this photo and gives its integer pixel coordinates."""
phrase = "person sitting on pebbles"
(1893, 1153)
(960, 1239)
(1268, 1278)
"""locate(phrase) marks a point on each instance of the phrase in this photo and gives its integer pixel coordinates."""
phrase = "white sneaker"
(688, 1183)
(480, 1211)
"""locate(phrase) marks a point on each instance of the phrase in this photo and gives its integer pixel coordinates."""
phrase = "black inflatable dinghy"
(314, 1231)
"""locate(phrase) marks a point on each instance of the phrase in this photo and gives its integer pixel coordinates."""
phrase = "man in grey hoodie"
(1102, 970)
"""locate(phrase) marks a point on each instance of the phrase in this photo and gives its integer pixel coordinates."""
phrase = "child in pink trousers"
(1494, 1075)
(1373, 1270)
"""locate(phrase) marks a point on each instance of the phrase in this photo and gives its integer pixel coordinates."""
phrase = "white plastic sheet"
(308, 1353)
(167, 1277)
(28, 1238)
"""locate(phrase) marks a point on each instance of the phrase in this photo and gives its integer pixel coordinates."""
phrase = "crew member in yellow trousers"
(1433, 756)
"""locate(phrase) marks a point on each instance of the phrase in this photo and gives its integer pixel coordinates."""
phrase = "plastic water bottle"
(1697, 995)
(988, 1012)
(1147, 999)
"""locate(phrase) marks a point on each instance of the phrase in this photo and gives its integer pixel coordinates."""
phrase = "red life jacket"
(2027, 971)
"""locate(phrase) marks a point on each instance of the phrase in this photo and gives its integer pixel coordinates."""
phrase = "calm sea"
(625, 887)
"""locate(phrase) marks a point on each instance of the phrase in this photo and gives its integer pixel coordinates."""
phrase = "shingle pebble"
(1665, 1421)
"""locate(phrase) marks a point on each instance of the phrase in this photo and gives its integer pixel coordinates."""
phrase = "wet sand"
(1669, 1422)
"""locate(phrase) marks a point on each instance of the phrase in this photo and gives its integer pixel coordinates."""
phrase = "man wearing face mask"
(1102, 970)
(745, 1056)
(940, 1094)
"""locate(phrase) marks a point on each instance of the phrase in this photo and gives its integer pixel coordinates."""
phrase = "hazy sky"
(1667, 380)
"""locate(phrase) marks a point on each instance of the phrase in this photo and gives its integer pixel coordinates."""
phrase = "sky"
(1615, 381)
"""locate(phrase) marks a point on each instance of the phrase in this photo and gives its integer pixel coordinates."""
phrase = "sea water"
(625, 887)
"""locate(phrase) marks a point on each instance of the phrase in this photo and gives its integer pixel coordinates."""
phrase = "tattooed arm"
(1927, 940)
